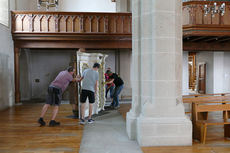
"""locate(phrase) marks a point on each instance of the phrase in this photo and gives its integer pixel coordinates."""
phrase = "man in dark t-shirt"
(119, 85)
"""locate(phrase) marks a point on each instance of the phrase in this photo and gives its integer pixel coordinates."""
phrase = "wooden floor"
(215, 143)
(20, 132)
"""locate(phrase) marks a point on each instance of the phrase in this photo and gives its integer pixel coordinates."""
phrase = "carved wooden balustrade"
(71, 30)
(196, 23)
(71, 22)
(205, 33)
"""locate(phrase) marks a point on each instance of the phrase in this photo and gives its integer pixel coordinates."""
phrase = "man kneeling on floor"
(90, 79)
(55, 90)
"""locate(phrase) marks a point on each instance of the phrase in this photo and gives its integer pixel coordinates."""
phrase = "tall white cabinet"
(84, 61)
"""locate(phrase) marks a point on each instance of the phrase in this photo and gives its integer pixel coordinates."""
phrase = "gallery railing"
(196, 22)
(71, 22)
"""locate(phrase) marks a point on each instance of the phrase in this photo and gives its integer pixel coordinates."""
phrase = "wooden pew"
(201, 121)
(206, 98)
(205, 95)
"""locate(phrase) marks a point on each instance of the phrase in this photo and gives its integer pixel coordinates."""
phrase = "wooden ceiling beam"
(73, 44)
(225, 39)
(205, 46)
(197, 38)
(212, 39)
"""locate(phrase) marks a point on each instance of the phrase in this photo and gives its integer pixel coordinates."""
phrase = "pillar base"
(131, 125)
(164, 131)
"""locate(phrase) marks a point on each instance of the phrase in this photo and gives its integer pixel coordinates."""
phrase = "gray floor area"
(108, 135)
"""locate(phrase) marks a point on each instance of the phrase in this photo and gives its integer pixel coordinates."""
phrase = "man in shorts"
(55, 90)
(90, 79)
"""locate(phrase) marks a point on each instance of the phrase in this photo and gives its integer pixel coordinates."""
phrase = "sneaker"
(90, 120)
(82, 121)
(116, 107)
(54, 123)
(41, 122)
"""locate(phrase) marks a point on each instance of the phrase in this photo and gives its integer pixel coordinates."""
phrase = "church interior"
(172, 55)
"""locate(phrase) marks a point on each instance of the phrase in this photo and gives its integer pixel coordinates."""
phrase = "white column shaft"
(157, 86)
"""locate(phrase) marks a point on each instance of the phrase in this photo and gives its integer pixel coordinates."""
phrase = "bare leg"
(44, 109)
(55, 111)
(90, 110)
(82, 110)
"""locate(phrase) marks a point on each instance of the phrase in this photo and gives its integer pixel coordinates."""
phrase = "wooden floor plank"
(20, 132)
(215, 142)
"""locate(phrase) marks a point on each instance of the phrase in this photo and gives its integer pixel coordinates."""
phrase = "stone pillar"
(157, 116)
(131, 120)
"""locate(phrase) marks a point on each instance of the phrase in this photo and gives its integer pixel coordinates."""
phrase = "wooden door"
(202, 78)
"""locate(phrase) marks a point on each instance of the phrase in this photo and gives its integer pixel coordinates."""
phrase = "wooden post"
(16, 74)
(76, 84)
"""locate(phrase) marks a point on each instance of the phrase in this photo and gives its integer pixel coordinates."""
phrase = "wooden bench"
(205, 95)
(206, 99)
(189, 99)
(201, 121)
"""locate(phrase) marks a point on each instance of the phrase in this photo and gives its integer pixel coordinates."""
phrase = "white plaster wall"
(4, 11)
(25, 76)
(129, 3)
(226, 75)
(125, 66)
(6, 66)
(218, 72)
(72, 5)
(207, 57)
(122, 5)
(43, 65)
(185, 81)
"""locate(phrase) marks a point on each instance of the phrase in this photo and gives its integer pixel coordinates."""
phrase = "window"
(4, 12)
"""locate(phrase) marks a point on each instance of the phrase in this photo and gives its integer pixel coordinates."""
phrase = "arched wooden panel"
(44, 27)
(119, 24)
(69, 23)
(26, 23)
(52, 24)
(87, 22)
(111, 24)
(77, 24)
(126, 24)
(37, 23)
(62, 24)
(94, 24)
(101, 24)
(18, 25)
